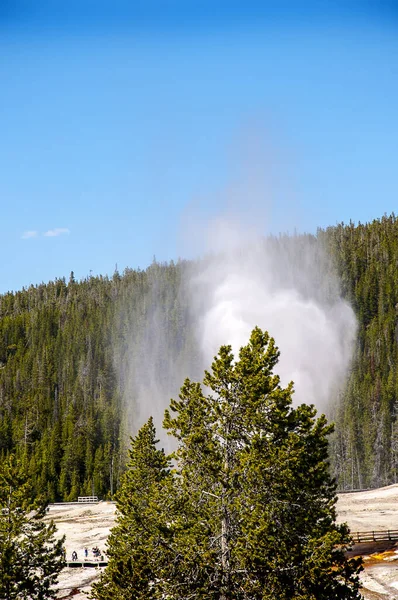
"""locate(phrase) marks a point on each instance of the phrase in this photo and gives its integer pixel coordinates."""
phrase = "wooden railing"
(86, 563)
(88, 499)
(360, 537)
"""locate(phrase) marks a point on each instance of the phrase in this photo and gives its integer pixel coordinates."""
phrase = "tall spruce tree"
(250, 513)
(142, 505)
(30, 557)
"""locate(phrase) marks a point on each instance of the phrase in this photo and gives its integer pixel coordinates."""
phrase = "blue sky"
(121, 122)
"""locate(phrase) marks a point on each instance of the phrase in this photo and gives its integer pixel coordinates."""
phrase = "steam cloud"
(287, 286)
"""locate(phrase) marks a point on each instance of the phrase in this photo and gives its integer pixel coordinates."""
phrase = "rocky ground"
(87, 526)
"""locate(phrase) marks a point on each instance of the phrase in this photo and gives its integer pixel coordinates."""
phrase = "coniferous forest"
(64, 347)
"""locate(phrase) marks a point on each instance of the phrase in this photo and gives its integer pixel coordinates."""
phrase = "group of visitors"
(96, 554)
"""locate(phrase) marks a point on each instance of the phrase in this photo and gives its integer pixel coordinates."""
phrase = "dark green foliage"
(365, 449)
(30, 558)
(64, 391)
(142, 502)
(67, 389)
(248, 513)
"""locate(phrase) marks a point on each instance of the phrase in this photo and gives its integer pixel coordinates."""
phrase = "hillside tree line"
(65, 401)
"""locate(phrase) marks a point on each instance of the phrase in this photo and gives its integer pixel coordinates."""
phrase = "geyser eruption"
(285, 285)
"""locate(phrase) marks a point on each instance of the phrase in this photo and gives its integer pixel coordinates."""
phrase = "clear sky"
(120, 122)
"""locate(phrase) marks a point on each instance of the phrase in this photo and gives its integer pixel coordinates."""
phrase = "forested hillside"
(365, 448)
(66, 399)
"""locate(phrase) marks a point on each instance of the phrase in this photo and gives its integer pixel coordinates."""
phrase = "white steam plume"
(156, 354)
(285, 285)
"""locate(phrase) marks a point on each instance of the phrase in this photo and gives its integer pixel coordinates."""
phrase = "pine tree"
(249, 511)
(30, 557)
(132, 544)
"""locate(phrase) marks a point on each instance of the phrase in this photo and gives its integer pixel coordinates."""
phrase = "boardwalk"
(75, 564)
(369, 542)
(359, 537)
(365, 542)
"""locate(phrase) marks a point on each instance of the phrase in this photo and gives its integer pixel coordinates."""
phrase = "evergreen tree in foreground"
(30, 558)
(249, 511)
(142, 507)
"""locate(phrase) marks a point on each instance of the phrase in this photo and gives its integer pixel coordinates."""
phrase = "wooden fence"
(361, 537)
(88, 499)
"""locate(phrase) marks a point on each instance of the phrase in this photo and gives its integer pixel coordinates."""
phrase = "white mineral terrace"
(87, 526)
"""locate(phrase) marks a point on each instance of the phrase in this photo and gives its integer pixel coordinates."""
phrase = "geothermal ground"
(374, 510)
(87, 526)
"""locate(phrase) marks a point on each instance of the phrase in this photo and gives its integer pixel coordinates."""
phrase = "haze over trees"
(246, 510)
(63, 352)
(65, 347)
